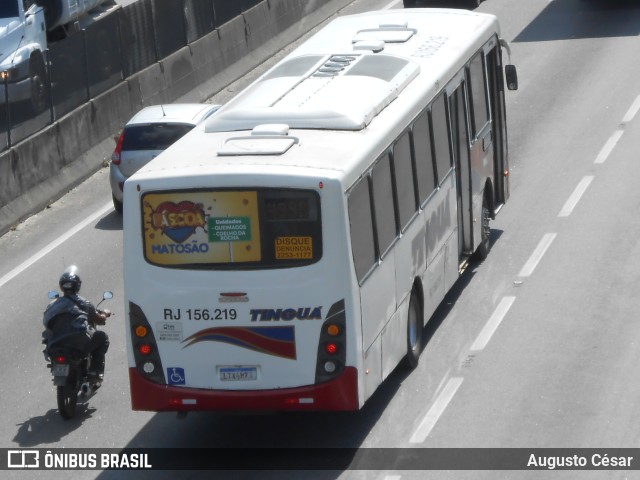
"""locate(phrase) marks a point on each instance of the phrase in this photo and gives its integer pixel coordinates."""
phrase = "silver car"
(147, 134)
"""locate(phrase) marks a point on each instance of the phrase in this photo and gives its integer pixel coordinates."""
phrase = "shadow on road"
(281, 434)
(575, 19)
(50, 428)
(111, 221)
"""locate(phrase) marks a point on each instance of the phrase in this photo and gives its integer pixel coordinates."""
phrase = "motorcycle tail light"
(61, 359)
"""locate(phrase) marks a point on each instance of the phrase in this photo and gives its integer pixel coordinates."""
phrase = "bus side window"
(404, 179)
(480, 114)
(424, 161)
(441, 138)
(361, 223)
(384, 204)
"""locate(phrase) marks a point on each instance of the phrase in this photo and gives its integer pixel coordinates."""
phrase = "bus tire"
(482, 252)
(414, 332)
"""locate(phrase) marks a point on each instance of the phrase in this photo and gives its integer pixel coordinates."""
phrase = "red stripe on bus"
(338, 394)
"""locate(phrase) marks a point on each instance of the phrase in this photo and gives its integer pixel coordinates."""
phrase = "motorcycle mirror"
(107, 295)
(53, 294)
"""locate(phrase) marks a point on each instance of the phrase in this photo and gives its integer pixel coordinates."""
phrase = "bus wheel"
(485, 233)
(414, 332)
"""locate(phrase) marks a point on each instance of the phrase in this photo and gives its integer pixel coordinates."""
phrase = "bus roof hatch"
(342, 92)
(268, 139)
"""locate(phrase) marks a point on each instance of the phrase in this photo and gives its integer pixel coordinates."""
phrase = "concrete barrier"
(42, 168)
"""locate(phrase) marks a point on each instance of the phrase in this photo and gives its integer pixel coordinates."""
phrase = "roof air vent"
(265, 139)
(281, 129)
(388, 33)
(404, 25)
(374, 46)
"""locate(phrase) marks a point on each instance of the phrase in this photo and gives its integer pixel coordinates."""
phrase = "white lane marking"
(613, 140)
(492, 325)
(575, 196)
(537, 255)
(59, 241)
(390, 5)
(633, 110)
(608, 147)
(436, 410)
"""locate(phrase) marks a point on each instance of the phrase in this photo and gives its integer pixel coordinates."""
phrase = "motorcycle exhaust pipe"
(86, 389)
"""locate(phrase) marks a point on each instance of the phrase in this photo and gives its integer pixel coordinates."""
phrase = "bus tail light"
(299, 401)
(330, 366)
(180, 402)
(141, 331)
(145, 349)
(332, 350)
(148, 367)
(333, 330)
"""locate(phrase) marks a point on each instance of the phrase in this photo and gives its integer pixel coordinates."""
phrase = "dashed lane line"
(608, 147)
(633, 110)
(59, 241)
(575, 197)
(492, 325)
(537, 255)
(436, 410)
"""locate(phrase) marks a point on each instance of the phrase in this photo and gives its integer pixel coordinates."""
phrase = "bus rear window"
(232, 229)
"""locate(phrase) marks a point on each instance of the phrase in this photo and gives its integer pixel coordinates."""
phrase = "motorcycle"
(70, 370)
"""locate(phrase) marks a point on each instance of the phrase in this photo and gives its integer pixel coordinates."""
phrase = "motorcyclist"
(70, 321)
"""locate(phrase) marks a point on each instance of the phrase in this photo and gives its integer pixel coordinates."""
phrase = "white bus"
(287, 254)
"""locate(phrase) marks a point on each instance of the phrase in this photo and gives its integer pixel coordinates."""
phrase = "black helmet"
(70, 280)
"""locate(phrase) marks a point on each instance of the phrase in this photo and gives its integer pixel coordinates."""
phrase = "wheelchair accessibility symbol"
(175, 376)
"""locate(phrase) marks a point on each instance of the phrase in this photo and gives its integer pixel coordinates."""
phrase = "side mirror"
(53, 294)
(107, 295)
(512, 77)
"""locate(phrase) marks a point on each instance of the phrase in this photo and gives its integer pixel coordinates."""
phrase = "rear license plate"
(238, 374)
(61, 370)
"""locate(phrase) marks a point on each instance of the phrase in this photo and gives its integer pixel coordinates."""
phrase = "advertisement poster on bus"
(201, 227)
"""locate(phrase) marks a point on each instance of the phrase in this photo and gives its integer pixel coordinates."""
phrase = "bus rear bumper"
(338, 394)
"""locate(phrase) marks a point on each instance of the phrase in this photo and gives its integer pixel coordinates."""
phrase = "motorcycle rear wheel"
(67, 400)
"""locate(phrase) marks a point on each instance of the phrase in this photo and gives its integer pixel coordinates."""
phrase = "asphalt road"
(536, 347)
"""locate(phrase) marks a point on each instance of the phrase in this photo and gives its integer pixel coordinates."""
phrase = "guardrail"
(117, 46)
(67, 148)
